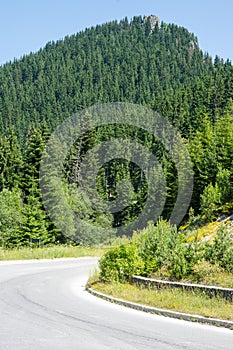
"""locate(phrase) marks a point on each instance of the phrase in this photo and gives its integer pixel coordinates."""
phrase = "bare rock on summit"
(153, 21)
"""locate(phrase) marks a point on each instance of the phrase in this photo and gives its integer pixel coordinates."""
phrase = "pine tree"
(32, 157)
(11, 218)
(10, 162)
(34, 222)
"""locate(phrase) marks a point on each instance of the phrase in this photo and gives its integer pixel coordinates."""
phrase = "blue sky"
(27, 25)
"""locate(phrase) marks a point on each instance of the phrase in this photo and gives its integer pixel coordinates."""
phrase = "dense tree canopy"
(161, 68)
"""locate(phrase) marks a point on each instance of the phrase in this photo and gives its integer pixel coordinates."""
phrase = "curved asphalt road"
(43, 306)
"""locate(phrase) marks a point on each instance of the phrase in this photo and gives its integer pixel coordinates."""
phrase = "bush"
(210, 201)
(182, 260)
(162, 247)
(119, 263)
(204, 270)
(154, 244)
(220, 251)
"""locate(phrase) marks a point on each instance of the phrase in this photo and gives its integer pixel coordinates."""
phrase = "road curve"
(43, 306)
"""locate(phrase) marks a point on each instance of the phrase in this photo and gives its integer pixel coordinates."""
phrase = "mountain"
(141, 61)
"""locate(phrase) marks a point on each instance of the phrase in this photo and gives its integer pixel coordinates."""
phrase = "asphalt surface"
(43, 306)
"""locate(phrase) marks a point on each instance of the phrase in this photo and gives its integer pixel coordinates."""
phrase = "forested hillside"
(160, 67)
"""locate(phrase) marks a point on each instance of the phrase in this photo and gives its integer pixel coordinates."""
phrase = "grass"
(221, 279)
(204, 273)
(52, 252)
(170, 299)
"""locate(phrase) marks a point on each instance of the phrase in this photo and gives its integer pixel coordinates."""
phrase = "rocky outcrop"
(153, 21)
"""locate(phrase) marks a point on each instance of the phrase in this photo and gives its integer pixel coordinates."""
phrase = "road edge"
(45, 260)
(163, 312)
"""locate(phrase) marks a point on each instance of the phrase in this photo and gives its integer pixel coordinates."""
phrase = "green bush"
(154, 244)
(210, 201)
(119, 263)
(183, 260)
(220, 251)
(204, 270)
(162, 247)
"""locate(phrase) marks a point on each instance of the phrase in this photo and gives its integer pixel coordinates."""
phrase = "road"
(43, 306)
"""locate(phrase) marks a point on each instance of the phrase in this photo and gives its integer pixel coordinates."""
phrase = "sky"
(26, 25)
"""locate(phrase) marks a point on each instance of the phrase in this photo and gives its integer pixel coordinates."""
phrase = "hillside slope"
(160, 66)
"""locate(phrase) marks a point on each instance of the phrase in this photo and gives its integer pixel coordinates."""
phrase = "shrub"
(162, 247)
(210, 201)
(220, 251)
(182, 259)
(204, 270)
(119, 263)
(155, 244)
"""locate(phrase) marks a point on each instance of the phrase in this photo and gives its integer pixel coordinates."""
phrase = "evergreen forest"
(160, 67)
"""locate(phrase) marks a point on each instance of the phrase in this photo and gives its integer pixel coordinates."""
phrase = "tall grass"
(51, 252)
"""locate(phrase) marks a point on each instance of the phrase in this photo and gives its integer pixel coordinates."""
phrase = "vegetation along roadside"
(161, 251)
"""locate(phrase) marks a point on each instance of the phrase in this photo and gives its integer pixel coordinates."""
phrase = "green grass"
(204, 273)
(52, 252)
(170, 299)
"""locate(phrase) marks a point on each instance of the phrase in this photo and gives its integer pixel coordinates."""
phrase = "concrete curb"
(163, 312)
